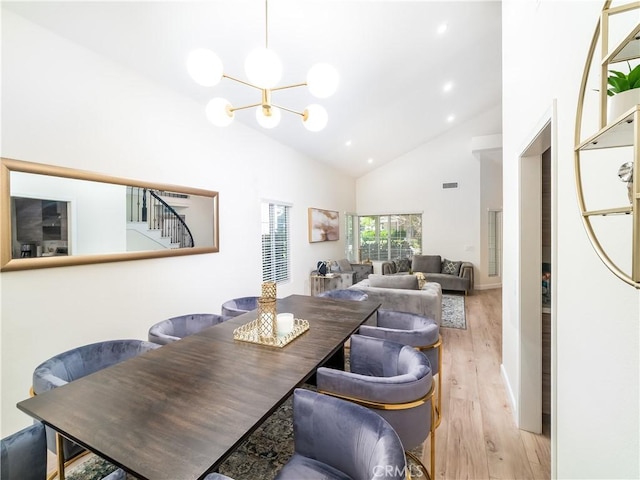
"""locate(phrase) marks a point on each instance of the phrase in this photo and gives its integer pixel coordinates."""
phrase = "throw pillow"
(388, 267)
(451, 267)
(344, 265)
(427, 263)
(405, 282)
(403, 265)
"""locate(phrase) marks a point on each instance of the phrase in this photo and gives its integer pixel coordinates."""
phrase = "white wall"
(595, 390)
(413, 182)
(64, 105)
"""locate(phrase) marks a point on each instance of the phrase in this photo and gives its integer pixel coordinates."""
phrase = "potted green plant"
(624, 90)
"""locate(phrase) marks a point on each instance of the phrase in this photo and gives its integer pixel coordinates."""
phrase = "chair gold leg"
(421, 465)
(433, 442)
(438, 409)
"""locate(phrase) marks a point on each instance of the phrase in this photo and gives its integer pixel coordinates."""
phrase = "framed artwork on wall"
(324, 225)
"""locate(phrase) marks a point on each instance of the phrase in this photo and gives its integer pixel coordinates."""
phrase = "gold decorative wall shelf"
(611, 216)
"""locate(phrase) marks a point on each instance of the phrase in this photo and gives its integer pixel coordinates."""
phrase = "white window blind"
(275, 243)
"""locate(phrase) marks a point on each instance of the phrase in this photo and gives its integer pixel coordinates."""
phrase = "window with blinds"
(275, 243)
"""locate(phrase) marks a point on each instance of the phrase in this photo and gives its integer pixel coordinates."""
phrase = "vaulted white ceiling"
(392, 61)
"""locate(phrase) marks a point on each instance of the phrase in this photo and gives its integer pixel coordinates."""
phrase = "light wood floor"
(477, 438)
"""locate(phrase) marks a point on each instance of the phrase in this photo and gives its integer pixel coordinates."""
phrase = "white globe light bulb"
(322, 80)
(205, 67)
(218, 113)
(315, 118)
(263, 68)
(268, 121)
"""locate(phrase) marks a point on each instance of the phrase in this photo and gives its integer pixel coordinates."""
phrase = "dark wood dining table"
(178, 411)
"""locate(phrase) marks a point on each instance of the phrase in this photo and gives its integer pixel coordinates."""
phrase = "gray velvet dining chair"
(238, 306)
(77, 363)
(344, 294)
(337, 439)
(417, 331)
(175, 328)
(23, 455)
(395, 381)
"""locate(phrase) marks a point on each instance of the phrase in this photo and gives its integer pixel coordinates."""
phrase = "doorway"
(537, 260)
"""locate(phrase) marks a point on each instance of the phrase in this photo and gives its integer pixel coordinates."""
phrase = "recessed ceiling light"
(451, 118)
(370, 160)
(442, 28)
(348, 143)
(447, 87)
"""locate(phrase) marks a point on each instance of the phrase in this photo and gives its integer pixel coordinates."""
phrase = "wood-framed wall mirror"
(55, 216)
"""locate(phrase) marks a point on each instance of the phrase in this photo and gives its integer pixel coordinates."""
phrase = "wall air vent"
(450, 185)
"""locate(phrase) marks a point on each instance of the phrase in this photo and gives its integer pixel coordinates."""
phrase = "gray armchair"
(344, 273)
(238, 306)
(77, 363)
(23, 455)
(336, 439)
(394, 380)
(175, 328)
(417, 331)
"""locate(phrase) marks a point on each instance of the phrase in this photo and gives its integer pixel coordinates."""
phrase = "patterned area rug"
(259, 458)
(453, 315)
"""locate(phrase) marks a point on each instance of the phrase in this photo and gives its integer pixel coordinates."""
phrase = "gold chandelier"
(263, 69)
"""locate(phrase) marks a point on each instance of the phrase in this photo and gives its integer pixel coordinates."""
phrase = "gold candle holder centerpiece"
(264, 329)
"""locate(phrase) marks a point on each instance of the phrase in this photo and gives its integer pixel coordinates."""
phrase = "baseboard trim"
(512, 398)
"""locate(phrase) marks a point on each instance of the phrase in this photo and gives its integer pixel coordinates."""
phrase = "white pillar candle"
(284, 323)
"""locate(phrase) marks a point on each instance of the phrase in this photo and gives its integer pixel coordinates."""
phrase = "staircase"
(152, 223)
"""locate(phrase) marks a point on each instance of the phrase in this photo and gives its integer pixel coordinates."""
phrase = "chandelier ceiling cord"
(263, 69)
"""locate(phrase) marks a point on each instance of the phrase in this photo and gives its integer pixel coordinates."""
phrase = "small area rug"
(453, 315)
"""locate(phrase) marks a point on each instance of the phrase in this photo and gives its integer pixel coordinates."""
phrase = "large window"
(387, 237)
(275, 243)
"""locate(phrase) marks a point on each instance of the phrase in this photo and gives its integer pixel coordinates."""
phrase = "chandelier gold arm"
(304, 84)
(304, 114)
(248, 84)
(231, 109)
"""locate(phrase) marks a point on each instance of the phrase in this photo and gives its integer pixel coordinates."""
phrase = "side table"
(322, 283)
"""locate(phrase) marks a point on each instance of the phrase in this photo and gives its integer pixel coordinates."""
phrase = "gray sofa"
(450, 274)
(402, 294)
